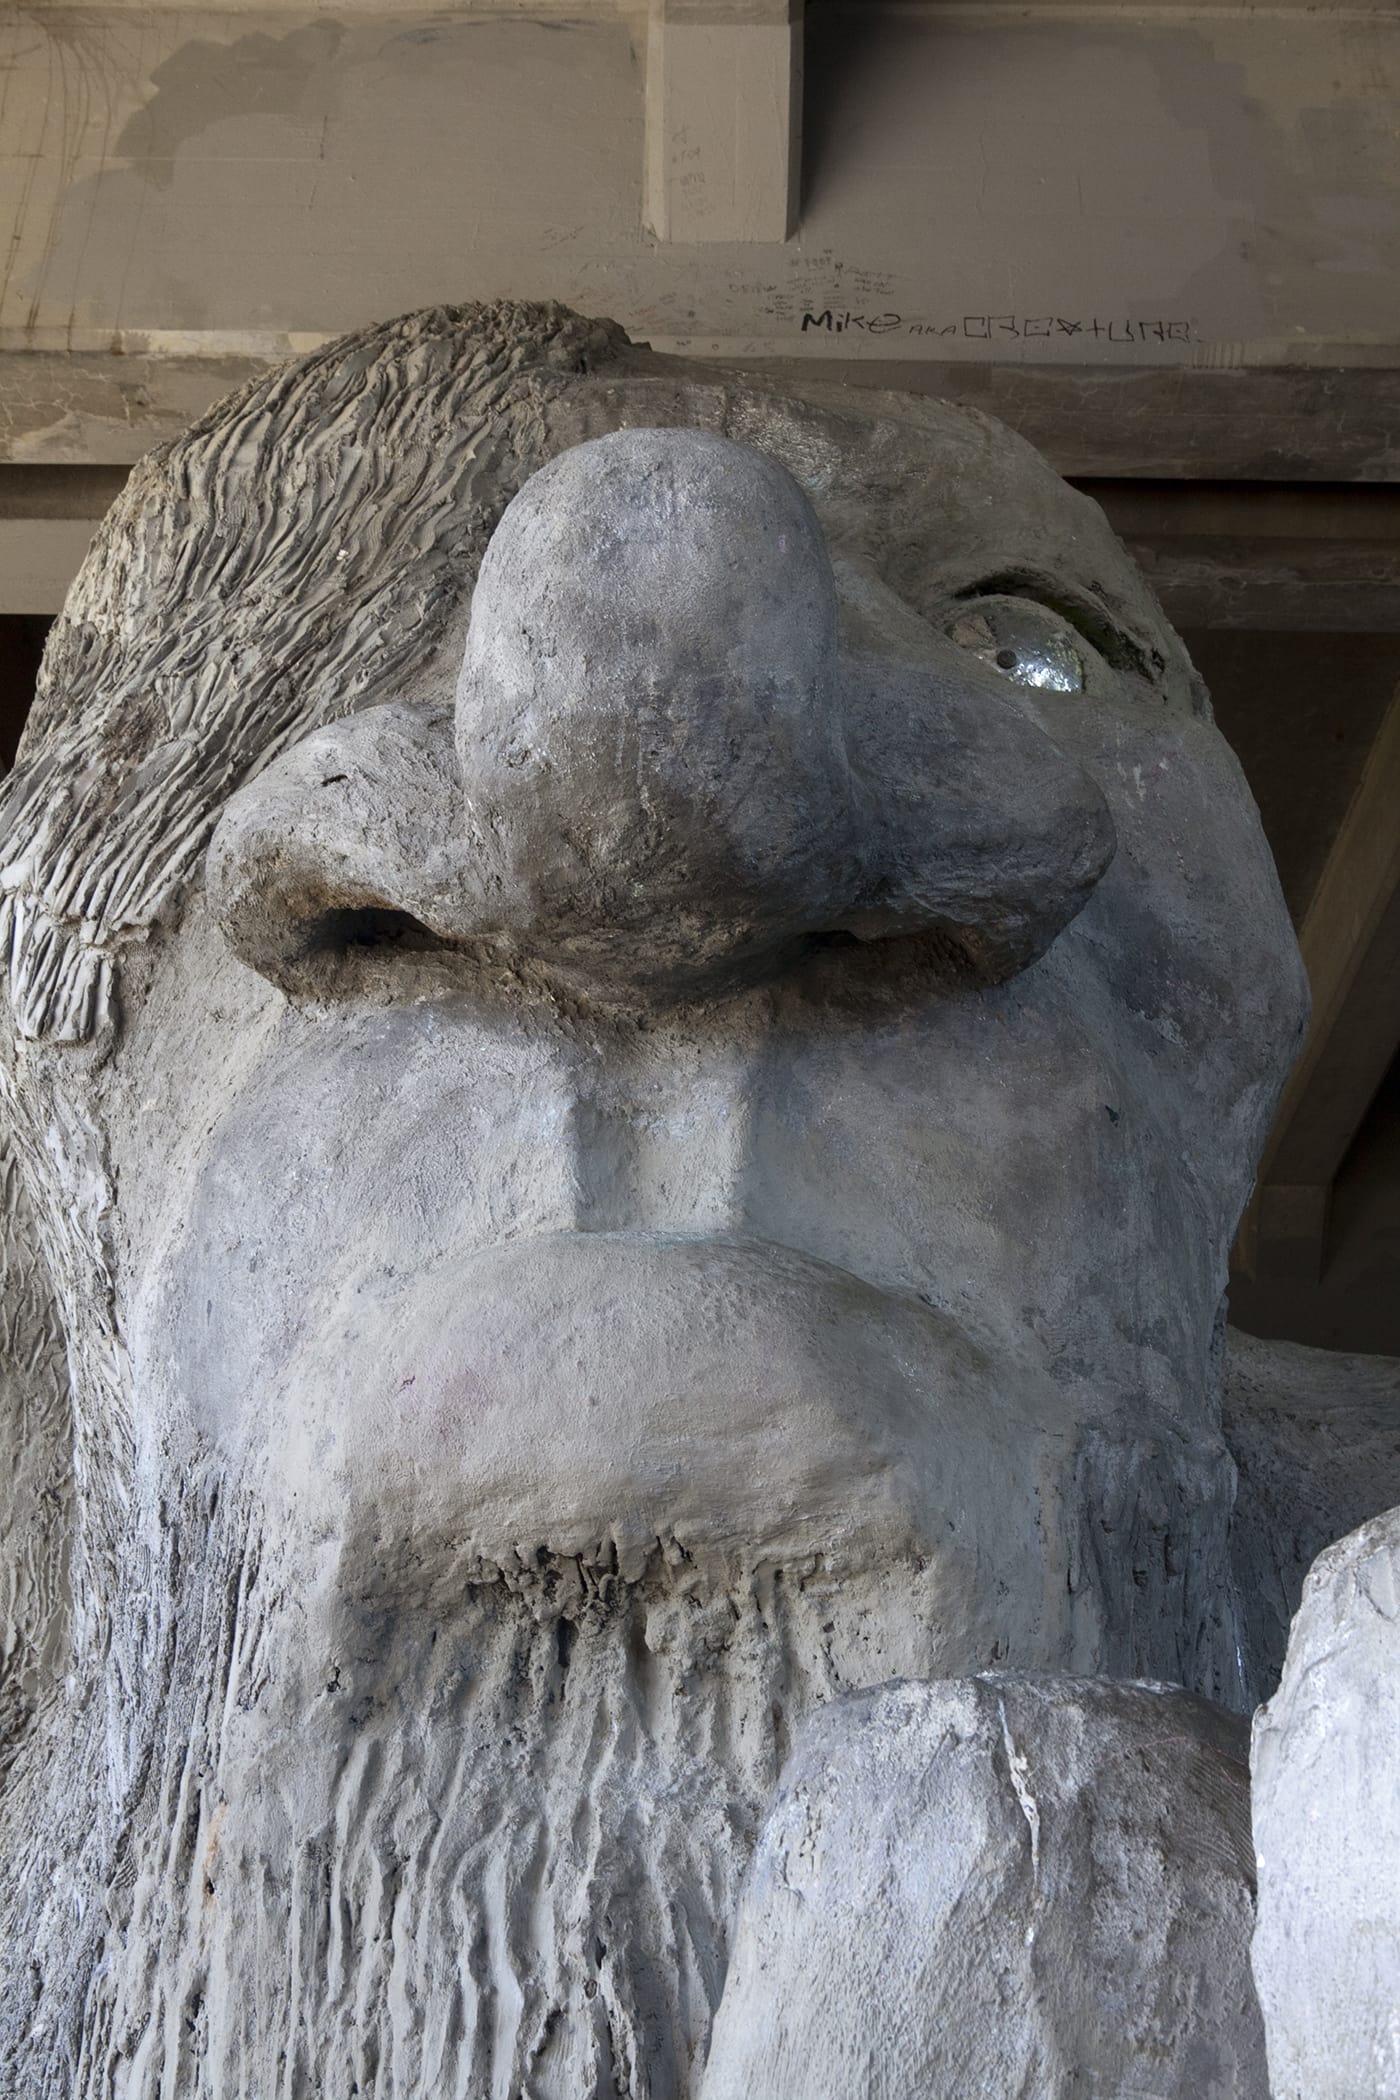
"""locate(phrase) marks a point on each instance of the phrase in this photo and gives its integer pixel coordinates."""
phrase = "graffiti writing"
(990, 328)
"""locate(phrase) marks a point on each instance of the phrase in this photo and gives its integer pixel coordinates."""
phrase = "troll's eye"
(1024, 641)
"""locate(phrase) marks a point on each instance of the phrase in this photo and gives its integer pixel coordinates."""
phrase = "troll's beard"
(487, 1855)
(479, 1836)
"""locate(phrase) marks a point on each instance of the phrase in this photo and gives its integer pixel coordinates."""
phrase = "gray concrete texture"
(1000, 1886)
(1326, 1798)
(674, 1160)
(1315, 1436)
(1167, 188)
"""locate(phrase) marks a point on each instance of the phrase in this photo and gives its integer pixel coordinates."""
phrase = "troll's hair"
(291, 557)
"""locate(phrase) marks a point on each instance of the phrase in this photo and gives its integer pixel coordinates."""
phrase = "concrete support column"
(723, 119)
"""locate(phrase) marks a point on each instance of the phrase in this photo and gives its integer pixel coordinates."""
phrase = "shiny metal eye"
(1024, 642)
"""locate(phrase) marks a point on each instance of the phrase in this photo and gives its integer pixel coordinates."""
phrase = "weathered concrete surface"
(1288, 424)
(1315, 1436)
(1236, 171)
(36, 1468)
(514, 1385)
(1326, 1801)
(1000, 1886)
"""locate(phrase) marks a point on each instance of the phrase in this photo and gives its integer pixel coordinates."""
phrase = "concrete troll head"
(642, 1005)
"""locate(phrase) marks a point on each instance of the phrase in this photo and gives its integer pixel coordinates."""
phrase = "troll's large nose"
(660, 771)
(649, 725)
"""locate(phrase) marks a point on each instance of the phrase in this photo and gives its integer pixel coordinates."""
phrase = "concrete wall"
(982, 183)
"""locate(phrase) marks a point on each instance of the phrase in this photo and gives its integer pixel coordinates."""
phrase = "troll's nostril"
(376, 926)
(349, 843)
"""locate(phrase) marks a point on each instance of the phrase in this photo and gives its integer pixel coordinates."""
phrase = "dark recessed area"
(22, 637)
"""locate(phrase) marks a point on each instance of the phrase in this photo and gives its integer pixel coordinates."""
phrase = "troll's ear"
(36, 1466)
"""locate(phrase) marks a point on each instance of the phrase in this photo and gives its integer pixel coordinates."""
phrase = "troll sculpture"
(641, 1005)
